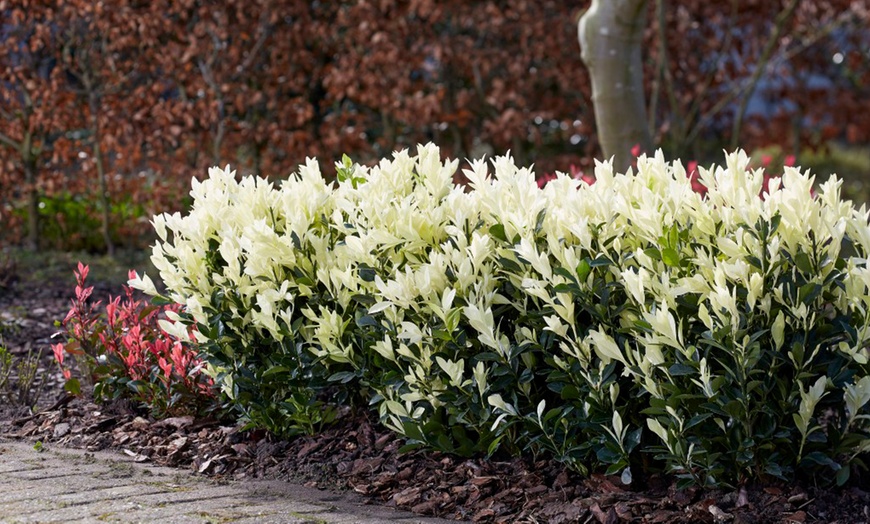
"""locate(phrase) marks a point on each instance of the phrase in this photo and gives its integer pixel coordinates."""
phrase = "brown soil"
(357, 454)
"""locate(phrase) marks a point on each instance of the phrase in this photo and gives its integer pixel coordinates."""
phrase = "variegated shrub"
(722, 334)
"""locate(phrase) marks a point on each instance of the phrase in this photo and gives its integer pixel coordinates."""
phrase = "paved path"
(68, 485)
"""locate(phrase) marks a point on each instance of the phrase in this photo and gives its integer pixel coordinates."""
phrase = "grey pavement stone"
(67, 485)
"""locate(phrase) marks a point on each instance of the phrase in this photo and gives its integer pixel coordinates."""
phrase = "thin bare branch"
(760, 68)
(10, 142)
(265, 31)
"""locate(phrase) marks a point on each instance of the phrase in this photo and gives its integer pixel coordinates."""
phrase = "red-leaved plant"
(124, 353)
(692, 172)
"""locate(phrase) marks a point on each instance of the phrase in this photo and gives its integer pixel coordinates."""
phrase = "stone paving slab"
(68, 485)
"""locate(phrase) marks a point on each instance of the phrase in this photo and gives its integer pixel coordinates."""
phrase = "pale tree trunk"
(611, 37)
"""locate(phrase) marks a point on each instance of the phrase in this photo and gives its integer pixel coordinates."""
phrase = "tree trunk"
(29, 158)
(105, 202)
(32, 202)
(218, 137)
(611, 35)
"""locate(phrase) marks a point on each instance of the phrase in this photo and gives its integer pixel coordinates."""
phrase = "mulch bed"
(357, 454)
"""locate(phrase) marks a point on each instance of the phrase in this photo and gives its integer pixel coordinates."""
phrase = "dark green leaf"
(600, 262)
(633, 439)
(653, 253)
(297, 243)
(73, 386)
(802, 261)
(843, 476)
(697, 419)
(275, 370)
(797, 351)
(818, 437)
(774, 469)
(809, 292)
(160, 300)
(565, 288)
(670, 257)
(509, 265)
(570, 392)
(367, 320)
(497, 231)
(366, 273)
(820, 459)
(137, 386)
(774, 223)
(493, 446)
(681, 369)
(539, 220)
(607, 455)
(342, 376)
(583, 270)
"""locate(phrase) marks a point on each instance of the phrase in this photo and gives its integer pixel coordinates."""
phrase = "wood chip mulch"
(357, 454)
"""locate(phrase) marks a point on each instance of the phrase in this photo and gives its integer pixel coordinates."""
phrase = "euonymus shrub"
(628, 323)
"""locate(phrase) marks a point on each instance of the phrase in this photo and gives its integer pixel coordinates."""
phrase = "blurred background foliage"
(108, 109)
